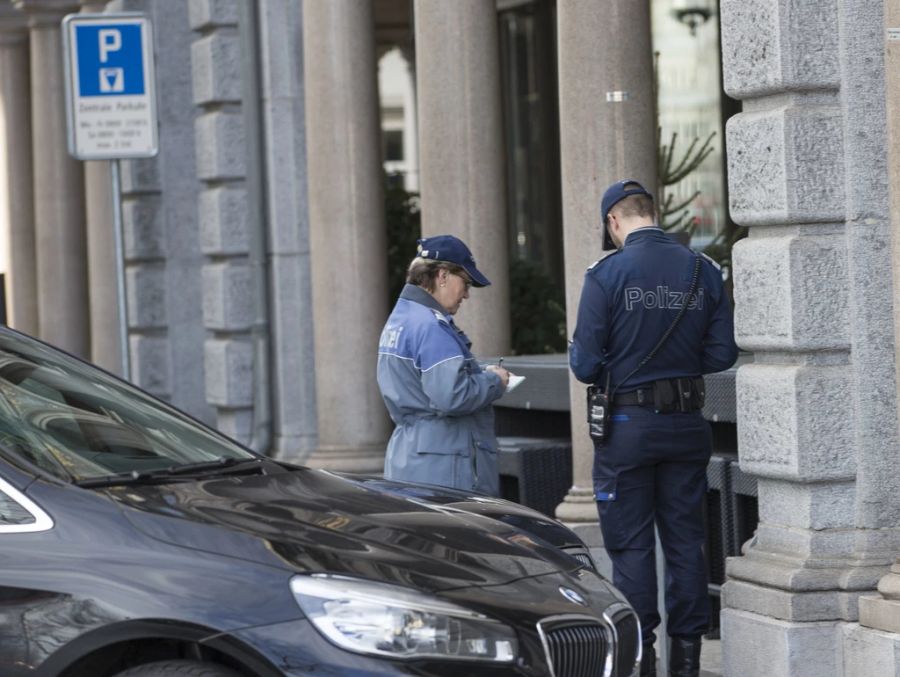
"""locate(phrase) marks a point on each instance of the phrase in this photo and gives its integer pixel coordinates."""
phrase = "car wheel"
(179, 669)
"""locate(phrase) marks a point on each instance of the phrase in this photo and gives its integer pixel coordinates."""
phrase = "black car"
(138, 542)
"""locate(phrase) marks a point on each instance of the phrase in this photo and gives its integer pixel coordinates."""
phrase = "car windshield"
(77, 422)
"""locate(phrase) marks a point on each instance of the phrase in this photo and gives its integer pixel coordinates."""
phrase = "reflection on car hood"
(316, 521)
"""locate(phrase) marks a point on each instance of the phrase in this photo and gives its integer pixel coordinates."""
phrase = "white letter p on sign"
(110, 41)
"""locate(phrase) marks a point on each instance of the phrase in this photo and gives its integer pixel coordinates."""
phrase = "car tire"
(179, 668)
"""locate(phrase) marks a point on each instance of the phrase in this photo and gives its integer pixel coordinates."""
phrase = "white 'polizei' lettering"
(390, 337)
(661, 297)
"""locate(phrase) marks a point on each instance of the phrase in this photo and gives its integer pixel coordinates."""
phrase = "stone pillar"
(411, 124)
(817, 419)
(347, 231)
(101, 254)
(63, 308)
(226, 215)
(607, 132)
(16, 187)
(883, 612)
(461, 169)
(160, 215)
(293, 365)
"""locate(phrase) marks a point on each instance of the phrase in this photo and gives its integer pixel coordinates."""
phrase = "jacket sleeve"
(586, 350)
(451, 384)
(719, 349)
(455, 392)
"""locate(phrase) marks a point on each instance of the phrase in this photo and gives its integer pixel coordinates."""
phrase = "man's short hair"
(635, 205)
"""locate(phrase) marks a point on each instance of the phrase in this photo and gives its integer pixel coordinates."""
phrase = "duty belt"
(666, 395)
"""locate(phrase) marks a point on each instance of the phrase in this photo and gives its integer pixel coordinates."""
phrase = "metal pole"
(121, 300)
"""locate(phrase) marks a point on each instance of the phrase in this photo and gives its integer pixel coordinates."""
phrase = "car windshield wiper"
(221, 466)
(225, 462)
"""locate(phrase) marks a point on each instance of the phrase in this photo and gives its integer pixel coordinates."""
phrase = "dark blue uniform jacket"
(628, 301)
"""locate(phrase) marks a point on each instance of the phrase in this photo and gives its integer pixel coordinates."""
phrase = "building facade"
(255, 240)
(810, 173)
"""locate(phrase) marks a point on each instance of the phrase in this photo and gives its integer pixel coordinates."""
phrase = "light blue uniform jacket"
(438, 397)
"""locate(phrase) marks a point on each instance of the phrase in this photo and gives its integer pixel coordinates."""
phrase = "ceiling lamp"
(693, 13)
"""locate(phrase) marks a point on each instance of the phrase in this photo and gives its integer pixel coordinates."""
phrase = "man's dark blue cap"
(614, 194)
(450, 249)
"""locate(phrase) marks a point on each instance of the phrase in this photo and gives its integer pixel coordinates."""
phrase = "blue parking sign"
(110, 93)
(110, 59)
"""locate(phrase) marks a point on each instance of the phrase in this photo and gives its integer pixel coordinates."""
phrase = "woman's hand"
(501, 372)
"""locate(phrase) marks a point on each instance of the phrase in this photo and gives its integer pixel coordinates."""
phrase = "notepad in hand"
(514, 382)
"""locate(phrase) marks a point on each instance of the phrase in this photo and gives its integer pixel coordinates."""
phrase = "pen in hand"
(500, 371)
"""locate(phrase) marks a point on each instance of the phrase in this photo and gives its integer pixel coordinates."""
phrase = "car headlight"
(390, 620)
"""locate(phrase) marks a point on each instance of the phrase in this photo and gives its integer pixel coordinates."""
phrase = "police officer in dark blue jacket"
(650, 466)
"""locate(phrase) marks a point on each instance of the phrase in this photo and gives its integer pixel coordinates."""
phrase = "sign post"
(111, 110)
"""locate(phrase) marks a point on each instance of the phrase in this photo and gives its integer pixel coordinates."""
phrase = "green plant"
(670, 171)
(677, 216)
(538, 313)
(404, 228)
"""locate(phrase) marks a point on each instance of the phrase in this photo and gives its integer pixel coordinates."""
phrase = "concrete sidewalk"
(711, 658)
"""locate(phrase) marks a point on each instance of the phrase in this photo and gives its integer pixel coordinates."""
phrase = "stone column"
(293, 365)
(882, 612)
(607, 132)
(347, 231)
(101, 254)
(228, 210)
(817, 419)
(411, 124)
(63, 309)
(461, 172)
(16, 187)
(162, 213)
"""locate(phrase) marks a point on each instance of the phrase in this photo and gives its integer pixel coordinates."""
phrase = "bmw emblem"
(572, 596)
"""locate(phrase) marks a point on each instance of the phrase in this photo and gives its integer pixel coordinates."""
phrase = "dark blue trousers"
(652, 470)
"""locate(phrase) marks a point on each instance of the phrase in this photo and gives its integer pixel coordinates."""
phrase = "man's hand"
(501, 372)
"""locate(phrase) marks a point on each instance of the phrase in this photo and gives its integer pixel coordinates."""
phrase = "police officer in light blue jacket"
(437, 394)
(650, 465)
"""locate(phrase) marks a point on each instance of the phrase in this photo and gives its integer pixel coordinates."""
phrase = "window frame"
(42, 521)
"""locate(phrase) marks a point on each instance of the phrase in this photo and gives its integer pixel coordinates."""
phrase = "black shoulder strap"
(665, 337)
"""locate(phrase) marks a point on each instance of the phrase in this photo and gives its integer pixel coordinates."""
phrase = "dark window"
(533, 185)
(13, 513)
(531, 122)
(393, 145)
(75, 421)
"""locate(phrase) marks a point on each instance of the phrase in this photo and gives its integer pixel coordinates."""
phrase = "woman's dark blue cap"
(451, 249)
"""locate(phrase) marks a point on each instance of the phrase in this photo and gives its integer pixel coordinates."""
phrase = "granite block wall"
(817, 418)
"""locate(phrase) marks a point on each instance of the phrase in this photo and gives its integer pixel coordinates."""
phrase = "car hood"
(315, 521)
